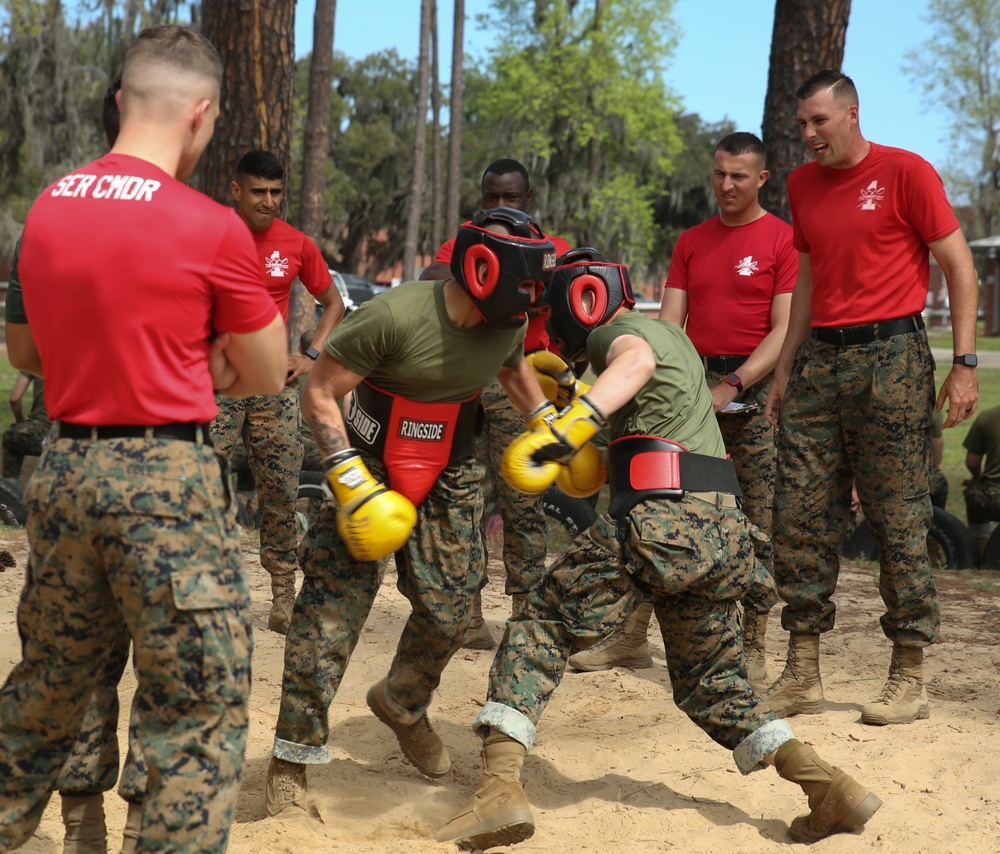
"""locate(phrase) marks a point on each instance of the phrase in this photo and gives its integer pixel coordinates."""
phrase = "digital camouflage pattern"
(439, 570)
(864, 411)
(523, 518)
(269, 425)
(93, 762)
(22, 439)
(140, 533)
(982, 504)
(693, 562)
(749, 442)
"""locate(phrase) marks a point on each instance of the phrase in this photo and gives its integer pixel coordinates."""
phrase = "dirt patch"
(616, 767)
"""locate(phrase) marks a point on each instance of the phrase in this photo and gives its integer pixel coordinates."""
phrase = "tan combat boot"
(837, 802)
(625, 648)
(418, 741)
(754, 629)
(477, 635)
(283, 600)
(903, 699)
(286, 790)
(83, 818)
(133, 824)
(799, 689)
(498, 813)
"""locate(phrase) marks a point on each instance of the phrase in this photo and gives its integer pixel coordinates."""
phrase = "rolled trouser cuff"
(749, 753)
(402, 714)
(506, 720)
(302, 754)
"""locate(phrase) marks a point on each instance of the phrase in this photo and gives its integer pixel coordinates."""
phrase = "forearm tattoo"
(329, 439)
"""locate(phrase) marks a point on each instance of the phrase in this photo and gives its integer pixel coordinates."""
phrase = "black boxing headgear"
(585, 290)
(511, 259)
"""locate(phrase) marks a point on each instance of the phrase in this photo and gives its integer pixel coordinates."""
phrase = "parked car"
(345, 295)
(360, 288)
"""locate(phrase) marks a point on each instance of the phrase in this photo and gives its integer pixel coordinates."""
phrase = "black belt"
(189, 431)
(723, 364)
(851, 336)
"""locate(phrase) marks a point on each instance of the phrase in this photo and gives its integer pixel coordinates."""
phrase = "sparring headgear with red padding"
(584, 273)
(524, 255)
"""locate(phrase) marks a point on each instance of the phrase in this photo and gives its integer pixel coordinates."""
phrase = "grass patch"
(953, 460)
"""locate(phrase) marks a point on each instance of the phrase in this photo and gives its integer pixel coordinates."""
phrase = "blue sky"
(720, 67)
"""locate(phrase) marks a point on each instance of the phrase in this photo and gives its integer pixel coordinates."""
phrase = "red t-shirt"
(285, 253)
(126, 274)
(731, 275)
(866, 230)
(535, 338)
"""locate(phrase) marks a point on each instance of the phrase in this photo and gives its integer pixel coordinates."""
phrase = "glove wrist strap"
(600, 418)
(339, 457)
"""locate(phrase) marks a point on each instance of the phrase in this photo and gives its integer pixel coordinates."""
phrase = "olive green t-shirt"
(983, 440)
(675, 403)
(404, 343)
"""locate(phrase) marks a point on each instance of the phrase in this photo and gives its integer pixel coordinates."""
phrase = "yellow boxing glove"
(576, 425)
(556, 378)
(522, 469)
(532, 461)
(585, 473)
(541, 415)
(373, 520)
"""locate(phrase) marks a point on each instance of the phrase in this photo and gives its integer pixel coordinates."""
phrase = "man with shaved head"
(853, 391)
(131, 522)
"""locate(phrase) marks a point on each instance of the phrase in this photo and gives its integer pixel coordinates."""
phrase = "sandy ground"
(616, 767)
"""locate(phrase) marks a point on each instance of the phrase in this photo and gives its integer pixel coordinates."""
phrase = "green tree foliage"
(575, 91)
(372, 123)
(959, 69)
(56, 62)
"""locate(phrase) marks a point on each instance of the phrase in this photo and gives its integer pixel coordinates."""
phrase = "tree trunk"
(455, 120)
(301, 317)
(436, 206)
(808, 36)
(419, 149)
(256, 40)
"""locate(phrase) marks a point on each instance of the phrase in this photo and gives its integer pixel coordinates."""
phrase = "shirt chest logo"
(746, 266)
(872, 197)
(275, 265)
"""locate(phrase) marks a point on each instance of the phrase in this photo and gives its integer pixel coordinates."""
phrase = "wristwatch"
(735, 381)
(312, 353)
(967, 359)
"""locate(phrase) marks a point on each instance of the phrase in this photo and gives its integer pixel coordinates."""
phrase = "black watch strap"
(968, 359)
(735, 381)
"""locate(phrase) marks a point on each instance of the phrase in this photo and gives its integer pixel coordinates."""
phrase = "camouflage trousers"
(982, 504)
(92, 766)
(139, 533)
(693, 561)
(862, 413)
(749, 441)
(433, 573)
(269, 425)
(20, 440)
(523, 518)
(938, 488)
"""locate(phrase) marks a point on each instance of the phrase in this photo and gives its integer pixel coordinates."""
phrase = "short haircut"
(842, 85)
(742, 142)
(260, 164)
(505, 167)
(111, 118)
(177, 47)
